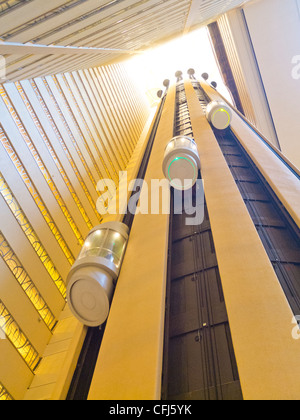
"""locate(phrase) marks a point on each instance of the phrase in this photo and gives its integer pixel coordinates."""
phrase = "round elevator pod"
(219, 115)
(181, 163)
(92, 279)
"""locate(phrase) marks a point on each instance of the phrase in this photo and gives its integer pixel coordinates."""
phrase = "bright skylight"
(190, 51)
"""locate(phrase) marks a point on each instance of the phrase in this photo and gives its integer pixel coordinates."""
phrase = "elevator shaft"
(199, 360)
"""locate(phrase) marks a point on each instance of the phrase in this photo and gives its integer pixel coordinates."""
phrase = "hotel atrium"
(106, 294)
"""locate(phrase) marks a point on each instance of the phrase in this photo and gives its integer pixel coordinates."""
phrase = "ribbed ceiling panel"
(117, 25)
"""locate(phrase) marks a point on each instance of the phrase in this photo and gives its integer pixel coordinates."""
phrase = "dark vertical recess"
(222, 58)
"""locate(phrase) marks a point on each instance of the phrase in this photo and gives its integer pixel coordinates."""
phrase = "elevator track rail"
(199, 360)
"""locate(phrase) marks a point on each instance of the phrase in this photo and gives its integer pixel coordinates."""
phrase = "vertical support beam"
(129, 366)
(259, 315)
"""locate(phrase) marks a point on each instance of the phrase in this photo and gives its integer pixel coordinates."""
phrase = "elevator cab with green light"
(181, 163)
(219, 115)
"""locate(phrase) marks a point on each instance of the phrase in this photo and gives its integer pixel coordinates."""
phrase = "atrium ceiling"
(39, 38)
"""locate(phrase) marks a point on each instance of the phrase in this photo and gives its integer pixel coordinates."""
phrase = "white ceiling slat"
(36, 32)
(120, 24)
(95, 24)
(27, 12)
(40, 50)
(174, 10)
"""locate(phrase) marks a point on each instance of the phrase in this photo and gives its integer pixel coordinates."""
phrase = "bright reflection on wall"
(189, 51)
